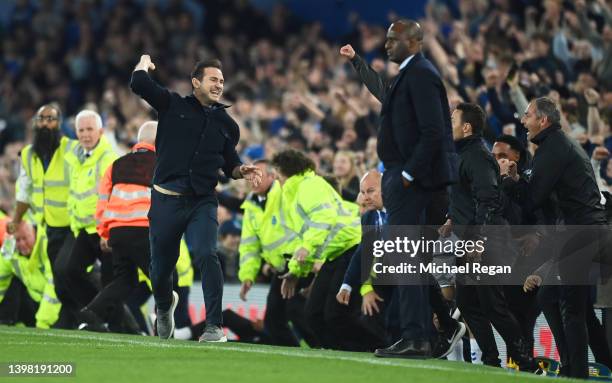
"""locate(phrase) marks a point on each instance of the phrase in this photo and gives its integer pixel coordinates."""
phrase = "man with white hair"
(87, 163)
(122, 223)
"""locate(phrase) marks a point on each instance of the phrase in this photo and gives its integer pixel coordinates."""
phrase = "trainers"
(165, 319)
(213, 334)
(447, 342)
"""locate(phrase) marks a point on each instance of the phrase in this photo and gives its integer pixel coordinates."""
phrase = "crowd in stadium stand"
(288, 85)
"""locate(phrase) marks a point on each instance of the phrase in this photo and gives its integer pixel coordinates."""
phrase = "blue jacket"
(370, 220)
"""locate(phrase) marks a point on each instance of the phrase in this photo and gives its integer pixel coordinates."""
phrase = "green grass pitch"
(126, 358)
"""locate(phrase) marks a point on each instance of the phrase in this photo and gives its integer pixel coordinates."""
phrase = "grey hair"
(373, 172)
(269, 167)
(88, 113)
(545, 107)
(147, 132)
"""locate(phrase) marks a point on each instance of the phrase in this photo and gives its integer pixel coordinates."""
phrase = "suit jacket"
(415, 130)
(369, 223)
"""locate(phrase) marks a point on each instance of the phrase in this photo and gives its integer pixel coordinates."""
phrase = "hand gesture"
(252, 174)
(369, 305)
(532, 282)
(145, 63)
(591, 96)
(446, 229)
(244, 289)
(104, 246)
(288, 285)
(300, 255)
(343, 297)
(347, 51)
(529, 243)
(600, 153)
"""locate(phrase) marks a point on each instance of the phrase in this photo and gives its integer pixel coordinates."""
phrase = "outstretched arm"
(142, 84)
(372, 79)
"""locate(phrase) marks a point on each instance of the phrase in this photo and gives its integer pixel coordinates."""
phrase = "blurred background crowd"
(287, 83)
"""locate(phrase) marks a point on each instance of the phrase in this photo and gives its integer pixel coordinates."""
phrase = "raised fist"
(347, 51)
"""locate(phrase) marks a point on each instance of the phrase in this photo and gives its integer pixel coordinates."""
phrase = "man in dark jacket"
(476, 201)
(510, 152)
(561, 168)
(195, 138)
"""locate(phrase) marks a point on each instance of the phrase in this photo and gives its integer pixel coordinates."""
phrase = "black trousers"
(17, 305)
(72, 270)
(437, 304)
(59, 246)
(130, 251)
(279, 312)
(524, 307)
(580, 249)
(139, 296)
(554, 302)
(336, 325)
(408, 206)
(196, 217)
(483, 306)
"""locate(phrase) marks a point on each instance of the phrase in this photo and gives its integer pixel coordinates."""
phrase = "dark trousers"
(383, 325)
(562, 311)
(196, 217)
(279, 312)
(60, 241)
(577, 255)
(523, 305)
(130, 251)
(59, 246)
(139, 296)
(336, 325)
(481, 306)
(17, 305)
(72, 271)
(407, 206)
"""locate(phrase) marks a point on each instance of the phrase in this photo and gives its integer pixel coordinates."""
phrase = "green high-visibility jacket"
(49, 188)
(326, 224)
(34, 271)
(265, 235)
(85, 173)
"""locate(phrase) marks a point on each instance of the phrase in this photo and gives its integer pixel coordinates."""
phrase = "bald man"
(123, 226)
(415, 144)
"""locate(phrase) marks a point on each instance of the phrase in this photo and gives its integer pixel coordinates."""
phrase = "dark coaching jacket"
(192, 141)
(477, 198)
(562, 171)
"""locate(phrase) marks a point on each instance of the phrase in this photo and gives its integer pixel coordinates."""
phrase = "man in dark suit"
(416, 147)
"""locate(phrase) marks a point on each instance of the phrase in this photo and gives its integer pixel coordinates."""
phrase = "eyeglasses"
(46, 118)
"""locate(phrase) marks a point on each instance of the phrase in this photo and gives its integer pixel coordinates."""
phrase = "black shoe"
(413, 349)
(90, 321)
(524, 356)
(447, 341)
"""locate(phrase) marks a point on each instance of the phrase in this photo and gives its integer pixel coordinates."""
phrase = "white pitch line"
(254, 350)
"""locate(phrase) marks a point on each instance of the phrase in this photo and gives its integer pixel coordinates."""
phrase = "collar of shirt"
(405, 62)
(216, 105)
(261, 198)
(143, 145)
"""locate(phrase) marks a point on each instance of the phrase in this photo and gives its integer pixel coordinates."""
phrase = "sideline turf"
(127, 358)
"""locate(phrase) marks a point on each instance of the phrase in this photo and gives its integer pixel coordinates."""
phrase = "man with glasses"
(42, 185)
